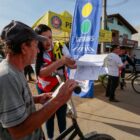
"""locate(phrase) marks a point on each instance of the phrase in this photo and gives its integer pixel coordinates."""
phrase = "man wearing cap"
(18, 116)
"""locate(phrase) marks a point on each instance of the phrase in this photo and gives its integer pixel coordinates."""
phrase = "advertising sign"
(85, 33)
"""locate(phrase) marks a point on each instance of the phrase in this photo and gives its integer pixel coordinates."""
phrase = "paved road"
(121, 120)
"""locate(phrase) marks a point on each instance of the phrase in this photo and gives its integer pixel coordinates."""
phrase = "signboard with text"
(105, 36)
(85, 34)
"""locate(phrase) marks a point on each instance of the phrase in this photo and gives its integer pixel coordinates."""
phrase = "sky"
(28, 11)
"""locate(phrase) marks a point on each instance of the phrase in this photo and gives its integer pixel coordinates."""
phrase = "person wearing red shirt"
(46, 67)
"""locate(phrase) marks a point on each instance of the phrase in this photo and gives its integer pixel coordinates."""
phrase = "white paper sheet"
(91, 60)
(89, 72)
(57, 90)
(89, 67)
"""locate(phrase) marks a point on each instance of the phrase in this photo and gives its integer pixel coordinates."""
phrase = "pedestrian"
(134, 60)
(46, 79)
(113, 63)
(18, 117)
(28, 71)
(124, 59)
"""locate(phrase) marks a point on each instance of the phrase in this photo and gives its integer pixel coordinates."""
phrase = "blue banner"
(85, 31)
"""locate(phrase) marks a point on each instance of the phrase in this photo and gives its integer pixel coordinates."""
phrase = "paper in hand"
(57, 90)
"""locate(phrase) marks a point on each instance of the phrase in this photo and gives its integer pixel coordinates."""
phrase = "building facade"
(122, 32)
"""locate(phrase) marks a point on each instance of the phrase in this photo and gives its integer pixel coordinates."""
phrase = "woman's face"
(47, 44)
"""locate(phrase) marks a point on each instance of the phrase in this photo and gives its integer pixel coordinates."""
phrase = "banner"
(59, 23)
(85, 33)
(85, 27)
(56, 21)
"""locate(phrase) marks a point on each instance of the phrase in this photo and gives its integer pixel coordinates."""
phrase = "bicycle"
(71, 132)
(136, 84)
(74, 130)
(104, 80)
(131, 76)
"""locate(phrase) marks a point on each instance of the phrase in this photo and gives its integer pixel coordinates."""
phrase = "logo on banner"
(56, 22)
(86, 24)
(85, 28)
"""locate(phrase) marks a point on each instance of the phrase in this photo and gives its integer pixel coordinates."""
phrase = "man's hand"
(65, 91)
(125, 63)
(44, 97)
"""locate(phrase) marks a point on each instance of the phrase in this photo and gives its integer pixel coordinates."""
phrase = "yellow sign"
(105, 36)
(55, 21)
(61, 26)
(59, 22)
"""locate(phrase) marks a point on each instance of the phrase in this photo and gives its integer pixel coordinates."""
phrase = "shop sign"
(130, 43)
(105, 36)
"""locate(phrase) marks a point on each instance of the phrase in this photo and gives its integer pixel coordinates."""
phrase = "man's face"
(31, 52)
(117, 50)
(122, 51)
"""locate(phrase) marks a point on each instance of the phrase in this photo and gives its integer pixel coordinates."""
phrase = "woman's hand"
(69, 62)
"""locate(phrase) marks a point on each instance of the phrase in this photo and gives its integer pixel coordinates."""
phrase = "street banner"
(85, 33)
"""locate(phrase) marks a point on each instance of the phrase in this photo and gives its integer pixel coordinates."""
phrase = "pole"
(103, 24)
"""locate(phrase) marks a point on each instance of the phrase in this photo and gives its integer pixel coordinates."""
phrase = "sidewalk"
(120, 120)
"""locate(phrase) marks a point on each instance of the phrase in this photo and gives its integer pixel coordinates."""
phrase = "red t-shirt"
(48, 83)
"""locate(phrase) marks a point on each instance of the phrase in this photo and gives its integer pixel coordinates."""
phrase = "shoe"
(114, 100)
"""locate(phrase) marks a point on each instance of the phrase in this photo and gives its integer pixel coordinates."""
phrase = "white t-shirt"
(113, 62)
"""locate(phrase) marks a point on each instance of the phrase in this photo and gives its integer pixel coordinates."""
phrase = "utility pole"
(103, 23)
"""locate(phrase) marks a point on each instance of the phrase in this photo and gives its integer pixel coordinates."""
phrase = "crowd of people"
(19, 118)
(116, 63)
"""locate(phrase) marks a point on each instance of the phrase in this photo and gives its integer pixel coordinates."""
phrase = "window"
(120, 23)
(110, 20)
(125, 36)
